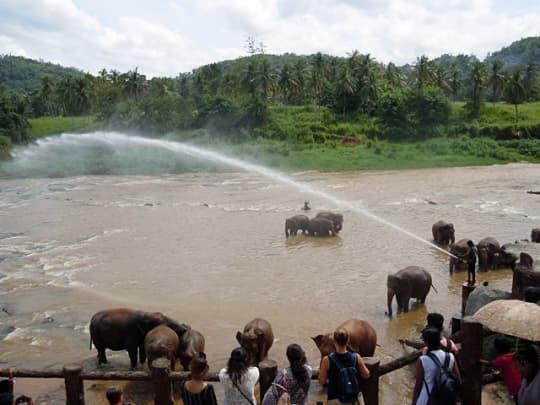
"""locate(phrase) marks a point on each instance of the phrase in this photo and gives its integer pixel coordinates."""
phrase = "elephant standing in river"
(257, 339)
(125, 329)
(443, 233)
(296, 223)
(503, 259)
(460, 250)
(319, 226)
(161, 341)
(362, 338)
(535, 235)
(407, 283)
(487, 249)
(337, 219)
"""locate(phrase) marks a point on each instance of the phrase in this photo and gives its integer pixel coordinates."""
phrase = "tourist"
(238, 379)
(529, 393)
(294, 379)
(332, 365)
(427, 369)
(196, 391)
(436, 320)
(471, 262)
(6, 390)
(115, 396)
(507, 364)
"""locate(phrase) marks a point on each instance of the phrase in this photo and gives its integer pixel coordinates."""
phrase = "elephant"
(162, 341)
(487, 248)
(124, 328)
(504, 259)
(535, 235)
(443, 233)
(191, 344)
(524, 276)
(362, 338)
(460, 249)
(296, 223)
(337, 219)
(321, 227)
(532, 294)
(257, 339)
(409, 282)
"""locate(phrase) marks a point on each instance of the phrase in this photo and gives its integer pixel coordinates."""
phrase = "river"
(209, 249)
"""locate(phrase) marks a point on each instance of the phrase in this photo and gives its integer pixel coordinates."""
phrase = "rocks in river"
(483, 295)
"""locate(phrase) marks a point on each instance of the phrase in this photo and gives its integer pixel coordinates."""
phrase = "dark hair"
(435, 320)
(5, 387)
(113, 395)
(297, 360)
(502, 344)
(470, 243)
(237, 364)
(432, 337)
(530, 355)
(198, 365)
(341, 336)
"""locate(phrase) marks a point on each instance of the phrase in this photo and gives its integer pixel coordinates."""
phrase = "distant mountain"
(22, 74)
(519, 53)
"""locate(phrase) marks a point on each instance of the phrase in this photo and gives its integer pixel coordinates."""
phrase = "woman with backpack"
(437, 375)
(341, 370)
(293, 381)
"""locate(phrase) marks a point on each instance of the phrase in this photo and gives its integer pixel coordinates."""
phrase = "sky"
(168, 37)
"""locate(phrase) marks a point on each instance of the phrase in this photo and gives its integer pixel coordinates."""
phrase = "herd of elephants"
(151, 335)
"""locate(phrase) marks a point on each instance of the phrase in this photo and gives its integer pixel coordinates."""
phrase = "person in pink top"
(506, 362)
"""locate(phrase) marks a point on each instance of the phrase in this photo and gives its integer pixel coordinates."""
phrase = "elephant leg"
(142, 354)
(132, 351)
(405, 305)
(102, 358)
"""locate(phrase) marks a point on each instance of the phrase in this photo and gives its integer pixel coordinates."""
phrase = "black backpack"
(446, 387)
(348, 385)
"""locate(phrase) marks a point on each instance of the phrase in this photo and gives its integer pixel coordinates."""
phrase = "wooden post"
(162, 384)
(456, 323)
(466, 289)
(268, 371)
(74, 384)
(370, 387)
(471, 369)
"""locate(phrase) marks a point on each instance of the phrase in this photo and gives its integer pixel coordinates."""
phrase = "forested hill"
(22, 74)
(520, 53)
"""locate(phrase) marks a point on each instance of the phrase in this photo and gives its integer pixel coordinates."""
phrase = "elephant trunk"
(390, 297)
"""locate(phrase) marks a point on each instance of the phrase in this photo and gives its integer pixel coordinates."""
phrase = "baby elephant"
(191, 344)
(407, 283)
(295, 224)
(162, 341)
(319, 226)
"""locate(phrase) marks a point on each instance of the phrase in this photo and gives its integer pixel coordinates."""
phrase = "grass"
(44, 126)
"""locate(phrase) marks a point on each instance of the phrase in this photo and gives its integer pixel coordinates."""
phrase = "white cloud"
(168, 37)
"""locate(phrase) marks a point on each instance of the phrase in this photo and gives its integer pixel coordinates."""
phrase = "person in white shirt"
(238, 379)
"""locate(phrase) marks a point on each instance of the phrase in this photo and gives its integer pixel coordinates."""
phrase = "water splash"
(117, 145)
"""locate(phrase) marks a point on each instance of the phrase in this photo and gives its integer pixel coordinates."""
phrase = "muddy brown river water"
(209, 249)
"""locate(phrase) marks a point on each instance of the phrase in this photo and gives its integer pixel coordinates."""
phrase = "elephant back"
(489, 243)
(419, 279)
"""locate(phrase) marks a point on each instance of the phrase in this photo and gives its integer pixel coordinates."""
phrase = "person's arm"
(362, 369)
(419, 381)
(323, 371)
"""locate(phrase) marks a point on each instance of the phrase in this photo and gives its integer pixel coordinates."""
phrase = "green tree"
(345, 86)
(286, 83)
(423, 72)
(514, 93)
(393, 75)
(477, 78)
(496, 79)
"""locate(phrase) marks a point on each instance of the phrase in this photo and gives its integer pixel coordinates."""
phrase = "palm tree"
(496, 79)
(266, 79)
(286, 83)
(249, 79)
(455, 81)
(514, 92)
(530, 82)
(393, 75)
(345, 85)
(318, 76)
(299, 81)
(440, 78)
(424, 72)
(134, 84)
(478, 79)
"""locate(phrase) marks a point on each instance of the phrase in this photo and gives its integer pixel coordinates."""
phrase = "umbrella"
(510, 317)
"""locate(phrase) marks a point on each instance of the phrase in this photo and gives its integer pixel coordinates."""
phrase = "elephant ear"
(318, 340)
(239, 337)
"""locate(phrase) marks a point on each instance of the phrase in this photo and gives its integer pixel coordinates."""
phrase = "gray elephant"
(162, 341)
(487, 249)
(191, 344)
(337, 219)
(257, 339)
(319, 226)
(296, 223)
(504, 259)
(535, 235)
(125, 329)
(443, 233)
(407, 283)
(460, 250)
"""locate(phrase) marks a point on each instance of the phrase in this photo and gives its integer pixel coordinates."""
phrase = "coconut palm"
(478, 78)
(496, 79)
(514, 92)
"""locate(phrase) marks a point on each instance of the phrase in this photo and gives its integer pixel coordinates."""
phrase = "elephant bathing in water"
(161, 341)
(337, 219)
(487, 249)
(535, 235)
(257, 339)
(407, 283)
(362, 338)
(321, 227)
(460, 249)
(125, 329)
(443, 233)
(295, 224)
